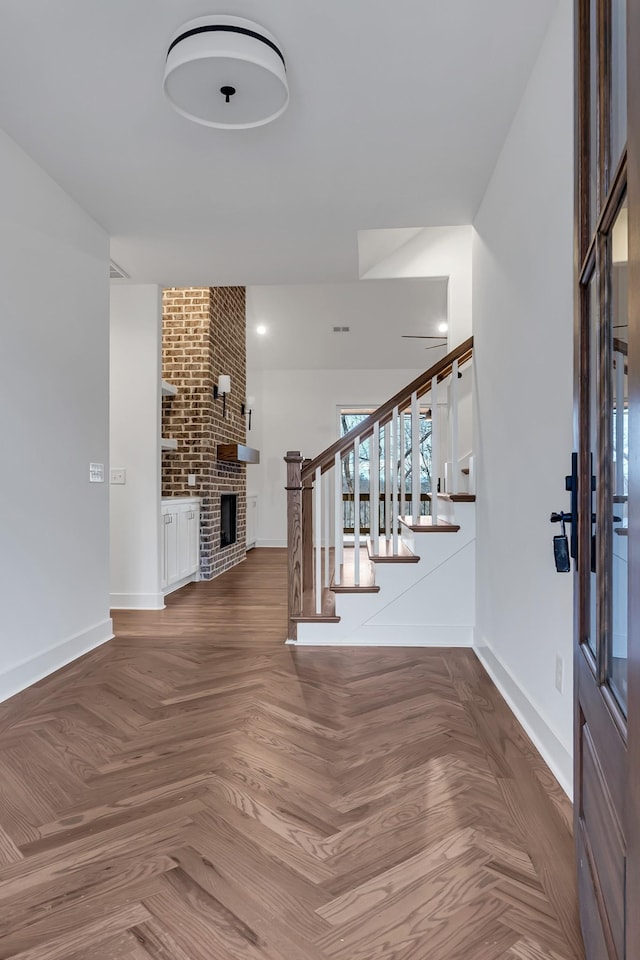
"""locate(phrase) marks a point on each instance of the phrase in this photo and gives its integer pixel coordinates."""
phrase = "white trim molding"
(36, 668)
(553, 751)
(383, 635)
(137, 601)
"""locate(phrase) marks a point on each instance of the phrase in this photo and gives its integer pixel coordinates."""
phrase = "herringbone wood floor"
(195, 790)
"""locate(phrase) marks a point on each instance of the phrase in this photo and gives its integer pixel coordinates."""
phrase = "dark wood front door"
(607, 402)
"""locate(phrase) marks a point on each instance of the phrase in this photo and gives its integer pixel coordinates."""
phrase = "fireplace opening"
(228, 519)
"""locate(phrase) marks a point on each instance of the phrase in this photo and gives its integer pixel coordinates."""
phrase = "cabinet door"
(184, 522)
(164, 540)
(171, 546)
(194, 540)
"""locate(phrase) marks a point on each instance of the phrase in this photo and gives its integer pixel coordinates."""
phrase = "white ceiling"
(397, 114)
(300, 320)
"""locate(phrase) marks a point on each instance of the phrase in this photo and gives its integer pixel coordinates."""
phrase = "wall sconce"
(246, 410)
(223, 387)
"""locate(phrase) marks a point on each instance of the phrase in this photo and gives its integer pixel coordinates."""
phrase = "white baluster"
(318, 538)
(394, 479)
(387, 480)
(403, 453)
(619, 358)
(454, 428)
(327, 526)
(338, 520)
(356, 505)
(374, 487)
(435, 451)
(415, 456)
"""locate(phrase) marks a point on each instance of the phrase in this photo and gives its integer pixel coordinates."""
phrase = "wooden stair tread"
(426, 525)
(347, 574)
(309, 614)
(383, 553)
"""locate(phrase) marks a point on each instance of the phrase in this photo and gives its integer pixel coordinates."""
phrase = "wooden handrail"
(420, 385)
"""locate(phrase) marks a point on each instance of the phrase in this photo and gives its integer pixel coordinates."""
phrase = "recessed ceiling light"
(443, 327)
(261, 329)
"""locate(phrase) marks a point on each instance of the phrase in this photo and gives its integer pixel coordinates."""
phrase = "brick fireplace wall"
(204, 336)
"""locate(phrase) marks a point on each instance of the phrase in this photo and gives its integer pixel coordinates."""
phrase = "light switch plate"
(96, 473)
(191, 479)
(118, 475)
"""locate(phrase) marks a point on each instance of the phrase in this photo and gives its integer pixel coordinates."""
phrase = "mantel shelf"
(237, 453)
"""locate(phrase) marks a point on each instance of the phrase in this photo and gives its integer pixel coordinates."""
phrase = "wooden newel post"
(307, 531)
(293, 461)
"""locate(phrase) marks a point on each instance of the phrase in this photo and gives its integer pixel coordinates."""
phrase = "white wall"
(54, 315)
(428, 252)
(135, 405)
(522, 318)
(297, 410)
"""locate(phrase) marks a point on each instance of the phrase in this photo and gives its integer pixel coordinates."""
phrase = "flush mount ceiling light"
(226, 72)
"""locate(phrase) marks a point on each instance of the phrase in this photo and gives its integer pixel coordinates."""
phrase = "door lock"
(561, 553)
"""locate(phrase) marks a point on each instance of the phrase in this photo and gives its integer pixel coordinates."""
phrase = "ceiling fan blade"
(436, 346)
(418, 336)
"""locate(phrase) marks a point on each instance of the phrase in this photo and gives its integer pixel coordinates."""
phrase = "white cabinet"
(169, 546)
(180, 558)
(252, 521)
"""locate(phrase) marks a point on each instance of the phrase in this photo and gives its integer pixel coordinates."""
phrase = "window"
(349, 419)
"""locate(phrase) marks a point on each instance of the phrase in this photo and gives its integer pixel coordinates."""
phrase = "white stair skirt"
(430, 603)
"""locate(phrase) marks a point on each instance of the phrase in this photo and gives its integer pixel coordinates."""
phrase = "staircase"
(404, 572)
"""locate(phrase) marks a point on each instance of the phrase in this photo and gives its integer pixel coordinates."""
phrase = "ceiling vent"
(342, 329)
(116, 272)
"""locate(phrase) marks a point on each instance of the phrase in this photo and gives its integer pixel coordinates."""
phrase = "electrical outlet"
(118, 475)
(191, 479)
(559, 673)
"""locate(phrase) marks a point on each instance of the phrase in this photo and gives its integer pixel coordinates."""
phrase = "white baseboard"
(137, 601)
(380, 635)
(554, 753)
(36, 668)
(271, 543)
(192, 578)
